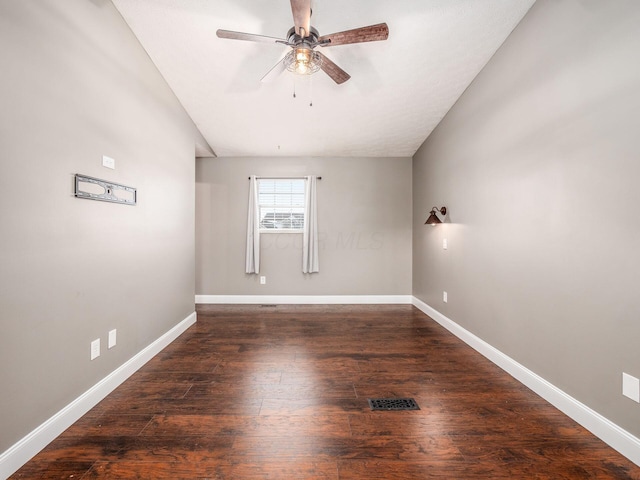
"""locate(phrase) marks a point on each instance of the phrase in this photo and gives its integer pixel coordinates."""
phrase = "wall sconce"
(433, 218)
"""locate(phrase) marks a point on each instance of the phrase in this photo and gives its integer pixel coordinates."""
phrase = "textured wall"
(364, 223)
(538, 165)
(76, 85)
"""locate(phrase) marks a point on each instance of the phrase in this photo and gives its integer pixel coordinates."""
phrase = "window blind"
(281, 203)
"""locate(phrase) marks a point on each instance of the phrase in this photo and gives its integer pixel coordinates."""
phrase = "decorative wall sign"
(104, 191)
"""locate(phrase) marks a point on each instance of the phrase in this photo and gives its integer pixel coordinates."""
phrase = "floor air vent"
(393, 404)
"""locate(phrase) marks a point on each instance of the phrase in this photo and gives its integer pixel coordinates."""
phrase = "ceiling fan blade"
(372, 33)
(335, 72)
(301, 10)
(251, 37)
(275, 71)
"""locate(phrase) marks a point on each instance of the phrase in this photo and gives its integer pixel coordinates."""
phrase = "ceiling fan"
(303, 59)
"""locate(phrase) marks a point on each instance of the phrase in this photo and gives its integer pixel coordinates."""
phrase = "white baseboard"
(305, 299)
(21, 452)
(610, 433)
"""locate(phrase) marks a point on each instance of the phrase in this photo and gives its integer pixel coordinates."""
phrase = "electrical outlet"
(631, 387)
(95, 349)
(263, 280)
(108, 162)
(444, 297)
(112, 339)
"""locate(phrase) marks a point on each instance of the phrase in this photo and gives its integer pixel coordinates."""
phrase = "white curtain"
(252, 262)
(310, 235)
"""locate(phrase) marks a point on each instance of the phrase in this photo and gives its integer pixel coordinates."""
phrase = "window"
(281, 204)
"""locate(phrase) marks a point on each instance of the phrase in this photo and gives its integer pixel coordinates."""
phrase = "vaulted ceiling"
(398, 92)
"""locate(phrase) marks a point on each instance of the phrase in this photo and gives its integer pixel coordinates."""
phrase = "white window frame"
(274, 200)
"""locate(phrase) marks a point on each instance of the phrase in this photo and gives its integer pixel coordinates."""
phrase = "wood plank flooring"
(253, 392)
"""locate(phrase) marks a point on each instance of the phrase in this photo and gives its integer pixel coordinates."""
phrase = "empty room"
(312, 239)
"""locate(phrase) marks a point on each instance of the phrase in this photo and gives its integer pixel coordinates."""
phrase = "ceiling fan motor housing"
(294, 38)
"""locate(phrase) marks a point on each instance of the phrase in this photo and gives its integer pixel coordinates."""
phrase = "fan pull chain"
(294, 86)
(311, 90)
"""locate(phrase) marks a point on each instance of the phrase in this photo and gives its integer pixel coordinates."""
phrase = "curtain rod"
(285, 178)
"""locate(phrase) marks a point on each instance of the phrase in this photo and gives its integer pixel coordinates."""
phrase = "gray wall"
(538, 164)
(76, 85)
(364, 220)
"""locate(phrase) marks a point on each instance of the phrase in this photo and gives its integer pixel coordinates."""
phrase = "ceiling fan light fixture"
(303, 55)
(303, 60)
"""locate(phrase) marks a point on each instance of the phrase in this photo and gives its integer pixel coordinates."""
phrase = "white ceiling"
(399, 89)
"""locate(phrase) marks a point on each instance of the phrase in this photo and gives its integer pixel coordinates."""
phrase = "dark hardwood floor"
(255, 392)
